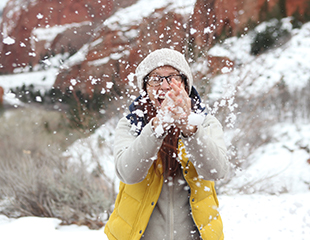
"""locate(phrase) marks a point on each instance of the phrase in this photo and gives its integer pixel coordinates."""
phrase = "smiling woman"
(166, 163)
(159, 81)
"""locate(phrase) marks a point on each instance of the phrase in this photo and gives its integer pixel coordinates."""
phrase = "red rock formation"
(211, 20)
(19, 21)
(113, 54)
(167, 31)
(219, 65)
(218, 19)
(1, 96)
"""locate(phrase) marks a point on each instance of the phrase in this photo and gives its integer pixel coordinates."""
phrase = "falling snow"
(8, 41)
(278, 202)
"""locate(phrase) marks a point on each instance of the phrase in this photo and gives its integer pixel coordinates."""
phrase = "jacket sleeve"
(134, 155)
(207, 150)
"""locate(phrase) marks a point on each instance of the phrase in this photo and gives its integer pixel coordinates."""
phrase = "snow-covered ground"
(255, 217)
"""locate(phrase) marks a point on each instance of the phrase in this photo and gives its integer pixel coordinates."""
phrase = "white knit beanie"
(163, 57)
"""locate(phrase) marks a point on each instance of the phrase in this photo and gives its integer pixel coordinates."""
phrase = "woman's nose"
(165, 84)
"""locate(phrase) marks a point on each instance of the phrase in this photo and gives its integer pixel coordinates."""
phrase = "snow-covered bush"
(272, 36)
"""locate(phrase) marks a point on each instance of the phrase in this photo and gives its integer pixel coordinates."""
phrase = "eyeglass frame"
(183, 79)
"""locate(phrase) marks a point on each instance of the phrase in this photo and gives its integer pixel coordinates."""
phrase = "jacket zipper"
(171, 205)
(190, 200)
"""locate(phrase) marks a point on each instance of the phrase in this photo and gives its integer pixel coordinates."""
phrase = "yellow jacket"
(135, 203)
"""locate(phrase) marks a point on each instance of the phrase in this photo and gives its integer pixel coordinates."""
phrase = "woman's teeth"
(161, 99)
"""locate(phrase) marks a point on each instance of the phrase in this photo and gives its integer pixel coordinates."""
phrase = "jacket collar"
(138, 119)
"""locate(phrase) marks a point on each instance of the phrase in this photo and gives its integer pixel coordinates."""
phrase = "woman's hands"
(175, 110)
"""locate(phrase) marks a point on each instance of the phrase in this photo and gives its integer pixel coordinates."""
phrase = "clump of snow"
(195, 119)
(8, 41)
(39, 16)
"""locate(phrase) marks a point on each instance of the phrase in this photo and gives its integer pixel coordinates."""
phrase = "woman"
(167, 152)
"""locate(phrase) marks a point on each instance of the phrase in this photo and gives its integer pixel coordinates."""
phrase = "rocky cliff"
(107, 40)
(1, 96)
(33, 30)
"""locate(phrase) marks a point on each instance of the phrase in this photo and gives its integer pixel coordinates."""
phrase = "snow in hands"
(175, 111)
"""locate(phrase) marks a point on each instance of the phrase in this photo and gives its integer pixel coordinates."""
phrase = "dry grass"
(35, 178)
(255, 115)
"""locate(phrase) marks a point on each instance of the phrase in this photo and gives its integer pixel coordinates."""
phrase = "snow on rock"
(287, 64)
(114, 56)
(11, 99)
(143, 8)
(48, 34)
(41, 79)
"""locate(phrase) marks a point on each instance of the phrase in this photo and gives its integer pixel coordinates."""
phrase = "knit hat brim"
(163, 57)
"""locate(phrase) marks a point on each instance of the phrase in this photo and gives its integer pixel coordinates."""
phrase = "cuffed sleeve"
(134, 155)
(207, 150)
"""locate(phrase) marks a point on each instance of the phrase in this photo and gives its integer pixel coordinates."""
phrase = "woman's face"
(157, 94)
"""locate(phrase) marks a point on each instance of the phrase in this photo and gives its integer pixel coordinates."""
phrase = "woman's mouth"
(161, 98)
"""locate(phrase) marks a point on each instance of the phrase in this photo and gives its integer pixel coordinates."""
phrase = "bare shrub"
(247, 119)
(37, 180)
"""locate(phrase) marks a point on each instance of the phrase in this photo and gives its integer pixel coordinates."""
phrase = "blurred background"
(66, 78)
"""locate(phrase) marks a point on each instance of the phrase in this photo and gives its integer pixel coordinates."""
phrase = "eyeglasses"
(156, 80)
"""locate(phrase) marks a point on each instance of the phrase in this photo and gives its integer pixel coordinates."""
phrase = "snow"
(279, 166)
(2, 4)
(49, 33)
(40, 79)
(48, 228)
(87, 150)
(268, 200)
(8, 41)
(143, 8)
(263, 217)
(286, 63)
(16, 8)
(114, 56)
(195, 119)
(257, 217)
